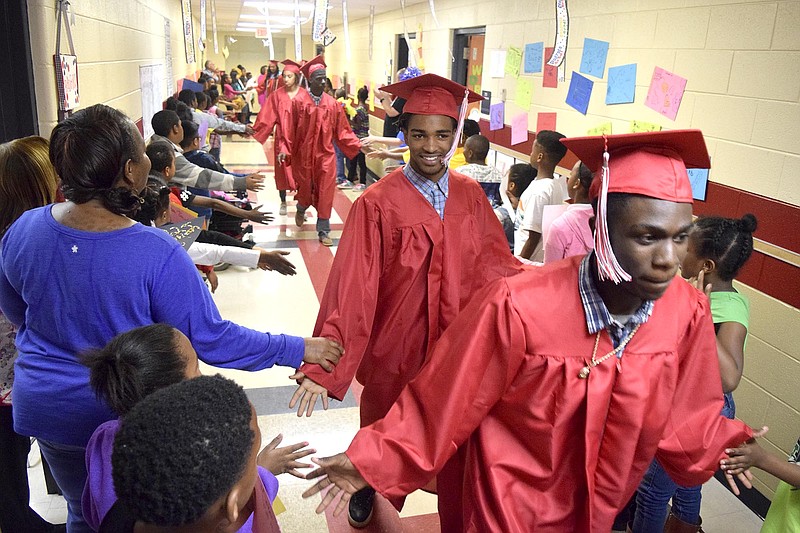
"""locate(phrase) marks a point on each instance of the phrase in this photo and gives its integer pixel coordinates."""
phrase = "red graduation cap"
(312, 66)
(291, 66)
(651, 164)
(430, 94)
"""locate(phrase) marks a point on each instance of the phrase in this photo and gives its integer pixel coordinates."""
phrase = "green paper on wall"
(513, 61)
(524, 93)
(638, 126)
(602, 129)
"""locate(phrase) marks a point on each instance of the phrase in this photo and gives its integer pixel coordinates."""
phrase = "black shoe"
(360, 508)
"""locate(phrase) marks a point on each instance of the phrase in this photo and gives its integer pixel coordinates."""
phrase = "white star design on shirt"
(74, 248)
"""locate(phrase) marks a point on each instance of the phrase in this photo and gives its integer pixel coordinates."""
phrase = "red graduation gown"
(545, 450)
(276, 113)
(400, 276)
(310, 144)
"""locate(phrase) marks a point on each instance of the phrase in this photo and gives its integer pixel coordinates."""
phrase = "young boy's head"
(548, 150)
(476, 149)
(162, 158)
(167, 124)
(191, 140)
(188, 97)
(202, 100)
(363, 94)
(519, 177)
(185, 456)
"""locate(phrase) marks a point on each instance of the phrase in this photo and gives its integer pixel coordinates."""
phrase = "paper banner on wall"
(579, 93)
(168, 53)
(513, 61)
(421, 63)
(534, 52)
(371, 28)
(519, 128)
(602, 129)
(698, 178)
(486, 103)
(524, 92)
(593, 60)
(559, 50)
(152, 88)
(545, 121)
(638, 126)
(497, 116)
(621, 84)
(550, 78)
(214, 25)
(666, 93)
(497, 63)
(320, 23)
(188, 31)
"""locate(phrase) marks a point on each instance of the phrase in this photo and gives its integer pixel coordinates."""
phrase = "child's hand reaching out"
(284, 460)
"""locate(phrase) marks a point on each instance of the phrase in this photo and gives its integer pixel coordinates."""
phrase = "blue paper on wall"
(698, 177)
(533, 58)
(593, 60)
(621, 84)
(580, 91)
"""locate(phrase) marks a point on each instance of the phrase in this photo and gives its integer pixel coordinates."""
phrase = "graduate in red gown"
(562, 383)
(317, 120)
(276, 114)
(416, 246)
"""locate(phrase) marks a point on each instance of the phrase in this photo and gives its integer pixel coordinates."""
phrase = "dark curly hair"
(89, 151)
(726, 241)
(550, 141)
(161, 154)
(135, 364)
(155, 200)
(181, 449)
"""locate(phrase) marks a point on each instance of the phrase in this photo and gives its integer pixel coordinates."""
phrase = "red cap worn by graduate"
(318, 63)
(430, 94)
(651, 164)
(291, 66)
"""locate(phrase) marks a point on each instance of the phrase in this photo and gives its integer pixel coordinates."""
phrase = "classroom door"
(475, 67)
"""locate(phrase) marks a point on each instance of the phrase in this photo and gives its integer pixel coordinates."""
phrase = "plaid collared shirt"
(597, 315)
(436, 193)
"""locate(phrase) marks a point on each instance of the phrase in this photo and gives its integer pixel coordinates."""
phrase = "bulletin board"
(151, 82)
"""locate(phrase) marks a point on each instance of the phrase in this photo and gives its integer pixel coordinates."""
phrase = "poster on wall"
(168, 56)
(67, 81)
(151, 83)
(188, 31)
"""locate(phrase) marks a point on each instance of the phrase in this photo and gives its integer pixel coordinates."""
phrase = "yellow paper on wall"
(638, 126)
(371, 99)
(359, 84)
(602, 129)
(513, 61)
(524, 93)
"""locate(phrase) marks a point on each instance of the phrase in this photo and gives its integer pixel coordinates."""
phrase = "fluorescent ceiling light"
(282, 18)
(250, 30)
(280, 6)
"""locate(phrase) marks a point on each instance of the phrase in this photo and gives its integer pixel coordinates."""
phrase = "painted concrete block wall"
(742, 62)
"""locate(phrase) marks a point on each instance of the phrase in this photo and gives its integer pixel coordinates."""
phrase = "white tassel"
(607, 265)
(462, 114)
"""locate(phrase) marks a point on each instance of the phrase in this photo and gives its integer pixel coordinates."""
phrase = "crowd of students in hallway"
(449, 299)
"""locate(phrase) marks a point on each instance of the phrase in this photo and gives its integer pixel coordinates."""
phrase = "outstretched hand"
(275, 261)
(338, 473)
(307, 393)
(284, 460)
(261, 217)
(741, 459)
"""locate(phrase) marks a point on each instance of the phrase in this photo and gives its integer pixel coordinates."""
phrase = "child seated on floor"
(126, 372)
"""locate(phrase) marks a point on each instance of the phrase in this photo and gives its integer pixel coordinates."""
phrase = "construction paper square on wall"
(519, 128)
(533, 58)
(698, 178)
(545, 121)
(593, 60)
(602, 129)
(621, 84)
(336, 81)
(513, 61)
(550, 78)
(497, 63)
(638, 126)
(666, 93)
(497, 116)
(579, 93)
(524, 92)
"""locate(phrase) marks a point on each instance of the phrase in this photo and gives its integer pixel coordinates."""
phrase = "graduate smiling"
(561, 384)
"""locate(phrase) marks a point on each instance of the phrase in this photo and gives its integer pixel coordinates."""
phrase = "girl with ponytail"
(718, 249)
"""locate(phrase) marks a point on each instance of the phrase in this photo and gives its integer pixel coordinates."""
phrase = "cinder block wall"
(742, 62)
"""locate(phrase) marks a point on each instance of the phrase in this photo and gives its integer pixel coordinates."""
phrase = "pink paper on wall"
(519, 128)
(545, 121)
(665, 93)
(550, 78)
(336, 81)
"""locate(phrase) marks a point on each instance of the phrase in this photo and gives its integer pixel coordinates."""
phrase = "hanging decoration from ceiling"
(320, 20)
(346, 30)
(269, 33)
(203, 28)
(413, 60)
(371, 28)
(214, 25)
(188, 31)
(562, 36)
(433, 12)
(298, 42)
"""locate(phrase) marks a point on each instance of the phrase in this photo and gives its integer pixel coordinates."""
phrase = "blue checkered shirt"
(435, 192)
(597, 315)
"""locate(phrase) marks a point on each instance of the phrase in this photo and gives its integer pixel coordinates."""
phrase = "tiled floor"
(269, 302)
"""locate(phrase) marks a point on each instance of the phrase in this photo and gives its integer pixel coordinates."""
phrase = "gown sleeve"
(347, 310)
(266, 119)
(696, 434)
(469, 370)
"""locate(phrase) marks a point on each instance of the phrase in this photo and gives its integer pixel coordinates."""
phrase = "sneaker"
(325, 240)
(282, 210)
(345, 185)
(360, 508)
(360, 187)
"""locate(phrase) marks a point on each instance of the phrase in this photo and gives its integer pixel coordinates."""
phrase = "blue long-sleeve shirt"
(70, 290)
